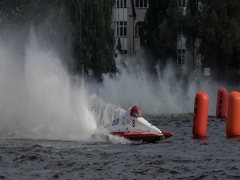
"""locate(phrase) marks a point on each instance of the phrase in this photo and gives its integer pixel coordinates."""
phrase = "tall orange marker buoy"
(200, 117)
(233, 115)
(222, 99)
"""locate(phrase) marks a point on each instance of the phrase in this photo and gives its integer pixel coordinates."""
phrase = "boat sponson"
(140, 136)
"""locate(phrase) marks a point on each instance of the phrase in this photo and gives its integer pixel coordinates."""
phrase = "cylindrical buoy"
(200, 117)
(233, 115)
(222, 100)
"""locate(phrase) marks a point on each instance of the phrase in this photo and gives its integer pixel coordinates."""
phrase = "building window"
(138, 28)
(141, 3)
(121, 3)
(125, 28)
(181, 57)
(121, 28)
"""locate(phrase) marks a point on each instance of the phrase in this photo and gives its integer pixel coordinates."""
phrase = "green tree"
(87, 23)
(119, 47)
(9, 11)
(161, 29)
(94, 42)
(214, 25)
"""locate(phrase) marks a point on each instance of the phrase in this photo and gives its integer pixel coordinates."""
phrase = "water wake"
(40, 100)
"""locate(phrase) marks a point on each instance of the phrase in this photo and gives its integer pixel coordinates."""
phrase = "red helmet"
(135, 112)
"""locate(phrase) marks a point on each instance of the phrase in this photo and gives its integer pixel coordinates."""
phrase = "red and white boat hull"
(133, 126)
(140, 136)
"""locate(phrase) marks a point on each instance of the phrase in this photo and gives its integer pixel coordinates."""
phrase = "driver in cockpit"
(136, 113)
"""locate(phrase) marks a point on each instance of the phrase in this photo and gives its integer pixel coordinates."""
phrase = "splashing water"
(167, 94)
(39, 100)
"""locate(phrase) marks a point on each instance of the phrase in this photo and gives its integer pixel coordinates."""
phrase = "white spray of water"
(39, 100)
(168, 94)
(104, 112)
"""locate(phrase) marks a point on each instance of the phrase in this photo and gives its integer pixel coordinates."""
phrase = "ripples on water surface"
(179, 157)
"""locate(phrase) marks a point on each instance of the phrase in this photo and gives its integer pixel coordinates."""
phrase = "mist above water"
(40, 100)
(169, 93)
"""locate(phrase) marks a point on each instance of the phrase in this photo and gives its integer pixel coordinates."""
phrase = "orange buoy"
(200, 117)
(222, 99)
(233, 115)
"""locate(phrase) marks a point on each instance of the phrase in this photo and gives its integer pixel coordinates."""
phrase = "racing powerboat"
(131, 125)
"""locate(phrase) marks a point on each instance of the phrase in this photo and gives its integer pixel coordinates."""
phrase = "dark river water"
(179, 157)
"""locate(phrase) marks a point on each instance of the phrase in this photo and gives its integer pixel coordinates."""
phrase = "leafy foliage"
(214, 26)
(86, 22)
(94, 42)
(161, 28)
(119, 47)
(211, 27)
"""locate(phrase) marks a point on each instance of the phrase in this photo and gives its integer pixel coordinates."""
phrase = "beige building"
(128, 16)
(187, 61)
